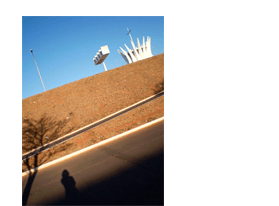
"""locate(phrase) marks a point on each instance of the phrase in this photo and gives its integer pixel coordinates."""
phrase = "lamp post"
(38, 70)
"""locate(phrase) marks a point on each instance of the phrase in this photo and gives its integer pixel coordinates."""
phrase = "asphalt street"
(125, 171)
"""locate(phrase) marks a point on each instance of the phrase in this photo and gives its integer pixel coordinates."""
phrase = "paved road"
(55, 142)
(125, 171)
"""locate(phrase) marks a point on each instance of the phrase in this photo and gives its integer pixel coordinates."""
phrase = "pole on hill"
(38, 69)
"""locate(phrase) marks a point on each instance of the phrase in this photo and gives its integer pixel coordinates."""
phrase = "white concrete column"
(127, 55)
(135, 51)
(140, 51)
(148, 46)
(144, 49)
(134, 59)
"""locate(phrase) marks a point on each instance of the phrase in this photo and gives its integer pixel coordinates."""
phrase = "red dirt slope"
(87, 100)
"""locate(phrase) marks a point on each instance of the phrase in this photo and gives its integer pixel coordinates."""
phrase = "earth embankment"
(52, 114)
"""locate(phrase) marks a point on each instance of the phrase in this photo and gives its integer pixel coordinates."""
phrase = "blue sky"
(65, 46)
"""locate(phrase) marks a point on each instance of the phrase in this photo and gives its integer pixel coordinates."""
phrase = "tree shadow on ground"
(37, 133)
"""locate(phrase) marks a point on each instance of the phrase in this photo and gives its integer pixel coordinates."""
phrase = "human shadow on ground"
(37, 133)
(72, 196)
(138, 184)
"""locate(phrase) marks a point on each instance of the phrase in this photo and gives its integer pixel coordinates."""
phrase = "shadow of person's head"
(65, 173)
